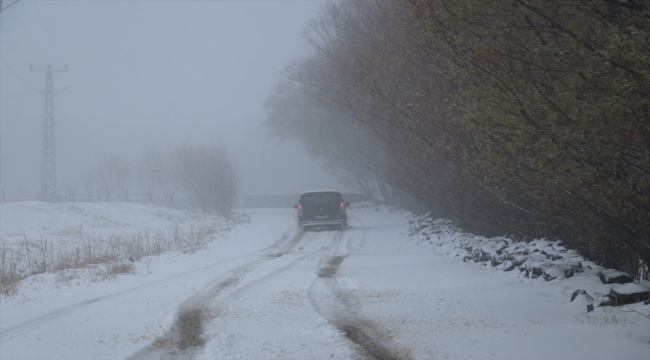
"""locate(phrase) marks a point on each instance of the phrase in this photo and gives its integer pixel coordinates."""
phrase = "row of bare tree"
(206, 176)
(521, 117)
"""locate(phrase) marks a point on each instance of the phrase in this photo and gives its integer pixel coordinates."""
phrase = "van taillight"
(342, 206)
(299, 210)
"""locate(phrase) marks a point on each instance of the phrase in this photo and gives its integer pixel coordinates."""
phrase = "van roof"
(318, 191)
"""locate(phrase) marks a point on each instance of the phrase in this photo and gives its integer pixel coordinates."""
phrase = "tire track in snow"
(285, 243)
(330, 299)
(40, 320)
(255, 284)
(185, 338)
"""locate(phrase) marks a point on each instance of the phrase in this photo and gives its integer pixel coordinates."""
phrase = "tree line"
(205, 176)
(522, 117)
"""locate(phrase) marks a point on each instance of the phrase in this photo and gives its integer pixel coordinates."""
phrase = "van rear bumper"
(321, 222)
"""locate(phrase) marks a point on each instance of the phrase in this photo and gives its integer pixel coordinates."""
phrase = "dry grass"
(609, 315)
(93, 273)
(96, 257)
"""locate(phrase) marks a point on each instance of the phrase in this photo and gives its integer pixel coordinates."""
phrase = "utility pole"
(48, 169)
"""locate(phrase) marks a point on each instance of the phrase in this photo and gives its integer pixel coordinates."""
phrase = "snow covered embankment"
(537, 259)
(91, 242)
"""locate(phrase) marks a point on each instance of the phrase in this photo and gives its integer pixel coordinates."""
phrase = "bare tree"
(89, 182)
(158, 168)
(72, 191)
(227, 180)
(510, 117)
(189, 196)
(113, 174)
(345, 147)
(104, 178)
(210, 175)
(167, 179)
(124, 178)
(147, 173)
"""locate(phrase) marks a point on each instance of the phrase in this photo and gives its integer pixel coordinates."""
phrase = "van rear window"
(320, 198)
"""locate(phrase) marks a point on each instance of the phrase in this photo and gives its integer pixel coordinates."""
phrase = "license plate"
(321, 217)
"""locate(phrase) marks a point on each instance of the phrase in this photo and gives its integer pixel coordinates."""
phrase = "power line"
(47, 32)
(27, 35)
(23, 81)
(12, 4)
(4, 31)
(17, 95)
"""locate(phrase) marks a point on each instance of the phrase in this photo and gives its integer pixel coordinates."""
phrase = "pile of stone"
(536, 259)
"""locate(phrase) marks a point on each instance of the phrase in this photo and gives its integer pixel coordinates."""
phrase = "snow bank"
(93, 241)
(538, 259)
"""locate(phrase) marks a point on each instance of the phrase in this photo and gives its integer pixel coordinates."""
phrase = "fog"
(149, 73)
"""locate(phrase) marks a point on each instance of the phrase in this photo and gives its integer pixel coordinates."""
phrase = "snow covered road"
(267, 291)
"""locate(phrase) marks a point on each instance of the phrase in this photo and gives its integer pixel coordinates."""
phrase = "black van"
(322, 208)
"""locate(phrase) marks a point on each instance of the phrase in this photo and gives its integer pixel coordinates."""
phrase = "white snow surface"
(264, 290)
(33, 219)
(631, 288)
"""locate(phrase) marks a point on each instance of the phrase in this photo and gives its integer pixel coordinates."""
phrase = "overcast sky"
(149, 73)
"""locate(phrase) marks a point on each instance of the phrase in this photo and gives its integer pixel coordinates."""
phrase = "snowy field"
(74, 222)
(263, 290)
